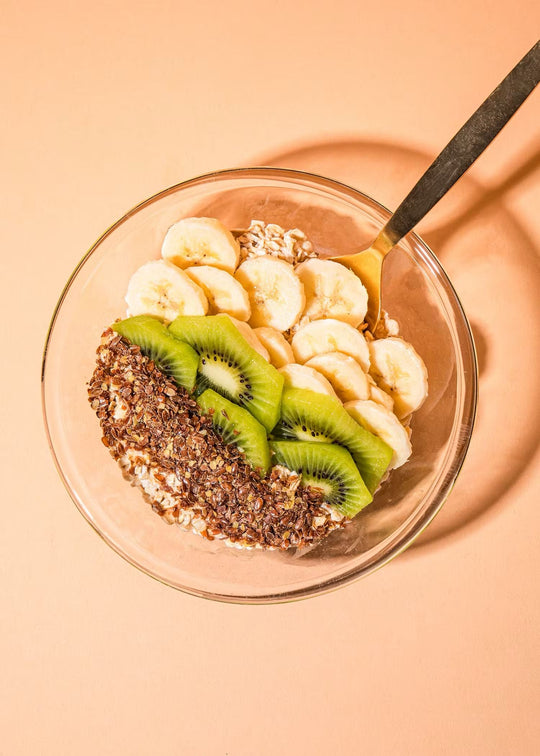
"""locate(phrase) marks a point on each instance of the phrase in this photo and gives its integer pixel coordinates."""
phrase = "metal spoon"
(458, 155)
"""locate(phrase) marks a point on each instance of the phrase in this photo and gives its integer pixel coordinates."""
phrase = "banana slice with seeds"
(201, 241)
(399, 370)
(249, 335)
(376, 394)
(303, 377)
(161, 289)
(344, 373)
(332, 291)
(330, 335)
(384, 424)
(276, 294)
(222, 290)
(275, 343)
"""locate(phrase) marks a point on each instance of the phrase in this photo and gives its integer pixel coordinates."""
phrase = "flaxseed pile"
(156, 432)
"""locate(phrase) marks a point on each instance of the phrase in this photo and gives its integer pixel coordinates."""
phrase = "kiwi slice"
(310, 416)
(326, 466)
(171, 356)
(230, 366)
(237, 426)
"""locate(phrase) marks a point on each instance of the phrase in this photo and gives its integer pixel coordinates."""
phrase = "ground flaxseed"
(167, 447)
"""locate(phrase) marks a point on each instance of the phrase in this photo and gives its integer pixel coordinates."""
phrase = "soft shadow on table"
(494, 266)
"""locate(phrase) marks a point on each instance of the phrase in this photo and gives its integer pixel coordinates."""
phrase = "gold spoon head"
(367, 265)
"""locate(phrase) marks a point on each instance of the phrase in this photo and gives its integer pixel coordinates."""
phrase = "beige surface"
(437, 653)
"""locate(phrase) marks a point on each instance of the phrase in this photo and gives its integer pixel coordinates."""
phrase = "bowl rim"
(470, 401)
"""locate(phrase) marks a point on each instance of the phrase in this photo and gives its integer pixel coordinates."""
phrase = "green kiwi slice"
(237, 426)
(310, 416)
(171, 356)
(326, 466)
(230, 366)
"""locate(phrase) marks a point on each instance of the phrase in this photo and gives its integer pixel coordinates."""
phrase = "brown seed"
(211, 478)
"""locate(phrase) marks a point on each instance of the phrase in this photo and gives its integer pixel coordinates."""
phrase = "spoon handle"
(461, 152)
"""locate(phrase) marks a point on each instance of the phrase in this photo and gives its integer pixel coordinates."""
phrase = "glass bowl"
(417, 293)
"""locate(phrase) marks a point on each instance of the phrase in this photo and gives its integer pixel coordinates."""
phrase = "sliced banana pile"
(344, 373)
(332, 291)
(276, 293)
(398, 369)
(201, 241)
(223, 292)
(330, 335)
(383, 423)
(304, 377)
(160, 288)
(306, 319)
(276, 344)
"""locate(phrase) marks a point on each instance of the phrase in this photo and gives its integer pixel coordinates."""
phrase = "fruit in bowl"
(168, 444)
(243, 392)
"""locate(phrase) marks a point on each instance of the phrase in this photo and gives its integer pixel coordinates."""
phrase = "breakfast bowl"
(417, 294)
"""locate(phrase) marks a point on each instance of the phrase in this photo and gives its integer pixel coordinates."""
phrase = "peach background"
(106, 103)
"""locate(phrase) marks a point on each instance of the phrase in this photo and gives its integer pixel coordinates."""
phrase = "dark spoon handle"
(469, 142)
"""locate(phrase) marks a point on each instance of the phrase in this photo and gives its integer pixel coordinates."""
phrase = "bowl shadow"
(495, 268)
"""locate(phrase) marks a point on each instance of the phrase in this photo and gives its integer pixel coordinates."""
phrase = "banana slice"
(160, 288)
(384, 424)
(376, 394)
(399, 370)
(201, 241)
(344, 373)
(276, 294)
(332, 291)
(330, 335)
(303, 377)
(278, 347)
(222, 290)
(249, 334)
